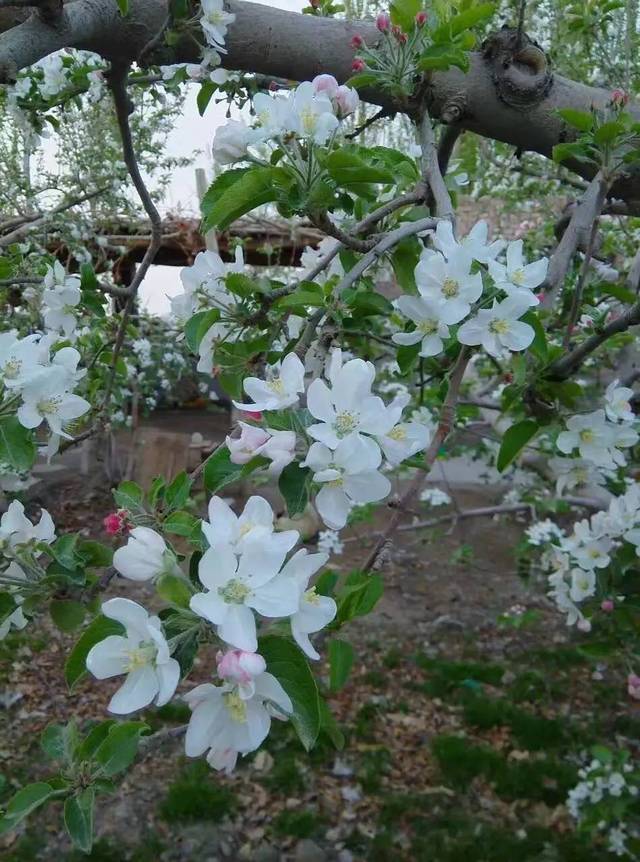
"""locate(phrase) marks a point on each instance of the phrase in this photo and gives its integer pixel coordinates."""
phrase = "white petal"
(239, 628)
(107, 658)
(137, 691)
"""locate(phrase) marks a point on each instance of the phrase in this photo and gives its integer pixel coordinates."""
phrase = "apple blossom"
(430, 329)
(325, 84)
(214, 22)
(226, 528)
(280, 448)
(16, 529)
(273, 113)
(226, 724)
(18, 359)
(499, 327)
(244, 448)
(346, 100)
(314, 611)
(583, 584)
(475, 243)
(349, 476)
(142, 653)
(516, 276)
(311, 114)
(633, 686)
(236, 586)
(404, 440)
(311, 257)
(281, 388)
(591, 435)
(348, 408)
(46, 398)
(145, 556)
(450, 282)
(617, 403)
(572, 472)
(230, 142)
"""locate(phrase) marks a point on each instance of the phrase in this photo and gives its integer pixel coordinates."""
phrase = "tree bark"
(289, 45)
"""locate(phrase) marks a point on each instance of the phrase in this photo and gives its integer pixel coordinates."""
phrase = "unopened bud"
(383, 22)
(358, 65)
(421, 19)
(357, 42)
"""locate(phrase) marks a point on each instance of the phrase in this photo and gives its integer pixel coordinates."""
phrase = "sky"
(164, 281)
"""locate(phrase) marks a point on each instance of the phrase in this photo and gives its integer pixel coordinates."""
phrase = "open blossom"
(59, 307)
(46, 399)
(145, 556)
(499, 328)
(475, 243)
(18, 359)
(226, 724)
(273, 113)
(281, 388)
(142, 653)
(617, 403)
(16, 529)
(449, 282)
(517, 276)
(591, 435)
(430, 329)
(405, 438)
(230, 142)
(583, 584)
(278, 446)
(349, 476)
(345, 99)
(572, 472)
(312, 114)
(314, 611)
(348, 407)
(214, 22)
(244, 448)
(204, 287)
(224, 527)
(236, 586)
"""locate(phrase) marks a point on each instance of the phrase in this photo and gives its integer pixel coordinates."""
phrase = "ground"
(464, 729)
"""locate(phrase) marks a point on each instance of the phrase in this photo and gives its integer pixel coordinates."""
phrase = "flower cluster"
(244, 572)
(575, 560)
(608, 787)
(312, 112)
(450, 283)
(20, 547)
(41, 380)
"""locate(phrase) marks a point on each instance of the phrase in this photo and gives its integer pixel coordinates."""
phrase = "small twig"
(445, 425)
(39, 218)
(379, 115)
(576, 301)
(155, 40)
(443, 206)
(521, 16)
(325, 224)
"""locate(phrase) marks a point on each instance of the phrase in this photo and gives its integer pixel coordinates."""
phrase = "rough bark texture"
(508, 95)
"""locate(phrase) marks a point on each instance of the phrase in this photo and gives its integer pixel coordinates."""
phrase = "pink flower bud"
(399, 34)
(633, 686)
(255, 417)
(383, 22)
(116, 522)
(245, 447)
(421, 19)
(619, 97)
(240, 667)
(273, 86)
(356, 42)
(347, 100)
(326, 84)
(607, 606)
(358, 65)
(583, 625)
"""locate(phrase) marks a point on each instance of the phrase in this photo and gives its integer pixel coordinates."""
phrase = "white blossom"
(145, 556)
(518, 277)
(142, 653)
(214, 22)
(230, 142)
(499, 327)
(617, 403)
(475, 243)
(449, 281)
(314, 611)
(430, 329)
(281, 388)
(591, 435)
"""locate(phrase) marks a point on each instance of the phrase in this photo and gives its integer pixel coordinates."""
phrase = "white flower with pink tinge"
(281, 387)
(278, 446)
(226, 720)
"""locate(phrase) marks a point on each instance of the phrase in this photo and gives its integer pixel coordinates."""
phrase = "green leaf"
(220, 471)
(123, 6)
(288, 664)
(329, 725)
(366, 303)
(341, 658)
(514, 440)
(23, 803)
(93, 740)
(441, 57)
(224, 203)
(308, 293)
(349, 170)
(8, 605)
(94, 554)
(469, 18)
(100, 628)
(539, 344)
(179, 523)
(358, 597)
(197, 327)
(178, 492)
(206, 91)
(174, 590)
(78, 818)
(60, 742)
(120, 747)
(581, 120)
(241, 285)
(17, 448)
(623, 294)
(67, 614)
(128, 495)
(363, 79)
(607, 133)
(574, 151)
(294, 487)
(403, 13)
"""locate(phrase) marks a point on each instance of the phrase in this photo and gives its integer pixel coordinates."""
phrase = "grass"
(197, 795)
(297, 824)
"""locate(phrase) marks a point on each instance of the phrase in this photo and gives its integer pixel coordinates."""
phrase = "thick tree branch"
(288, 45)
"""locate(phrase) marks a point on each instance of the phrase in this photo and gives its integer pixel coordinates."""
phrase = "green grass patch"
(297, 824)
(197, 795)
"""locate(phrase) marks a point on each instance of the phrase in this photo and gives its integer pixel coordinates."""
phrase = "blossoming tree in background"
(348, 397)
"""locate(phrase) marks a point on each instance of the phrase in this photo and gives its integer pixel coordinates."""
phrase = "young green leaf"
(341, 658)
(514, 440)
(67, 614)
(78, 818)
(120, 746)
(246, 190)
(294, 487)
(23, 803)
(17, 448)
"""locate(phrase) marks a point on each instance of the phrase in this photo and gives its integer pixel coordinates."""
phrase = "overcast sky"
(193, 132)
